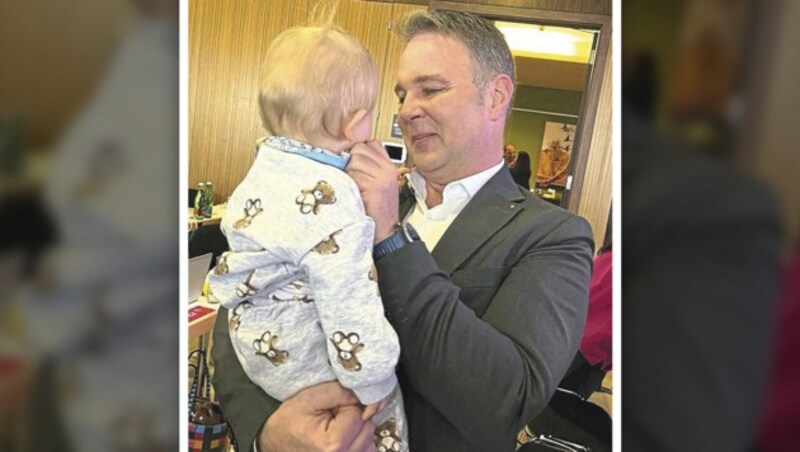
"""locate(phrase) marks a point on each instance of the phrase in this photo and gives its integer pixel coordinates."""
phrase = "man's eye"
(401, 98)
(431, 91)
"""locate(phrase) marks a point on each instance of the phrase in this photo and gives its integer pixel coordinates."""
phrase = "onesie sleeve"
(362, 346)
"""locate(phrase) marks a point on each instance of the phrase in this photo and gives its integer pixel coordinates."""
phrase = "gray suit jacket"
(488, 322)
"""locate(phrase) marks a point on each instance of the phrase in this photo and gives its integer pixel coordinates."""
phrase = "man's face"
(510, 154)
(442, 118)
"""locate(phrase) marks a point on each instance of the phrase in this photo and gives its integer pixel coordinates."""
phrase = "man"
(489, 306)
(510, 155)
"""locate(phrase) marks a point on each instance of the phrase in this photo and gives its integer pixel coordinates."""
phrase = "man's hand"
(376, 177)
(306, 421)
(374, 408)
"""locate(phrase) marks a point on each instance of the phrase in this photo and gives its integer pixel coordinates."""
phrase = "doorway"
(559, 58)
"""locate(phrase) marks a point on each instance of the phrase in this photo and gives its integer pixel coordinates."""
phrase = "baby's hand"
(374, 408)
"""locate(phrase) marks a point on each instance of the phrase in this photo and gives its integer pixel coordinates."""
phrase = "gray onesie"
(301, 286)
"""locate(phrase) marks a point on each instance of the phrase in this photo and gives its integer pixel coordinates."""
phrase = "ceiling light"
(527, 38)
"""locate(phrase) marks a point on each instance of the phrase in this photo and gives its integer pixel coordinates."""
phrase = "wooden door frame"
(590, 99)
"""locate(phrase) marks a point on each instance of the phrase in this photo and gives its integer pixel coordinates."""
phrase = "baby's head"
(319, 86)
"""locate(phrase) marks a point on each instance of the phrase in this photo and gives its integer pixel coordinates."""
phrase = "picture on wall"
(557, 144)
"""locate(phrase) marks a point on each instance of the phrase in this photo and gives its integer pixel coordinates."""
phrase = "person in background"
(488, 299)
(594, 357)
(304, 308)
(521, 171)
(778, 427)
(510, 155)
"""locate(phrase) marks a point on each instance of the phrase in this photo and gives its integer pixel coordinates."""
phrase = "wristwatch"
(404, 234)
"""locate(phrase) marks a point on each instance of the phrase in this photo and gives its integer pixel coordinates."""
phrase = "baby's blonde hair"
(315, 78)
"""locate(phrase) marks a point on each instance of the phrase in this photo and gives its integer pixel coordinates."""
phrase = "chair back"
(568, 423)
(208, 239)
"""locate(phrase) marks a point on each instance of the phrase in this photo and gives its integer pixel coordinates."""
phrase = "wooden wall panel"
(597, 181)
(369, 23)
(388, 101)
(227, 41)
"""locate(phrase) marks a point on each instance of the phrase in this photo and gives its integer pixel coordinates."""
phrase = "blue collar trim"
(306, 150)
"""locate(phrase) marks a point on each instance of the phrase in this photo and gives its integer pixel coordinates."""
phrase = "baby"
(299, 280)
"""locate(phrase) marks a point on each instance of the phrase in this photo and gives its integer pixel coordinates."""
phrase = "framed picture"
(557, 143)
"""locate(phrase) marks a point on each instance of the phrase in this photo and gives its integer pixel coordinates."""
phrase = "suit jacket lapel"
(495, 204)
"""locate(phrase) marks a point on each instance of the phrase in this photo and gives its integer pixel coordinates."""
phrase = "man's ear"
(501, 89)
(349, 127)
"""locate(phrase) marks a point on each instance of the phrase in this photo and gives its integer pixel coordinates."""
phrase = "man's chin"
(427, 167)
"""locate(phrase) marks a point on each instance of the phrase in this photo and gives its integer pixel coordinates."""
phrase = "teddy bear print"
(310, 200)
(236, 317)
(222, 264)
(252, 207)
(266, 348)
(386, 440)
(347, 348)
(246, 289)
(328, 246)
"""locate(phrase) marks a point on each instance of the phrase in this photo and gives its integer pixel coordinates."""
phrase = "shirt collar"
(468, 185)
(306, 150)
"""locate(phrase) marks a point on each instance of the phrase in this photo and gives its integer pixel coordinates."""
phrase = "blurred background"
(710, 301)
(88, 208)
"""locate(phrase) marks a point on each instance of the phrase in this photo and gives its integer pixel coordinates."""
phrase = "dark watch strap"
(403, 235)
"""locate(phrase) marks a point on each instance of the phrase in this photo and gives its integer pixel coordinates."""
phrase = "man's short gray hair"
(487, 46)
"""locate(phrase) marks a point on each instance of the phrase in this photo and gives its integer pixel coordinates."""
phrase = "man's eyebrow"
(421, 79)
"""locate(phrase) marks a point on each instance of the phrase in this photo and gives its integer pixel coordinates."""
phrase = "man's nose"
(410, 109)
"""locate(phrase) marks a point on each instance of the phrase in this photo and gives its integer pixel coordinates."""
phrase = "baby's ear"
(349, 126)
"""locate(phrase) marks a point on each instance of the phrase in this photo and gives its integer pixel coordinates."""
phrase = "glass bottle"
(209, 206)
(199, 200)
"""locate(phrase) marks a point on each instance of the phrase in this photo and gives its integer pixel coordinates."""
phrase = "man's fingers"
(370, 410)
(366, 166)
(364, 442)
(371, 150)
(347, 425)
(326, 396)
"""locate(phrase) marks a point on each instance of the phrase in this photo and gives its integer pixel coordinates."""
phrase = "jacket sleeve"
(490, 374)
(363, 348)
(246, 406)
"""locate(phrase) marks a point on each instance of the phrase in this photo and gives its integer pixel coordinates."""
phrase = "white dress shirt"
(431, 223)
